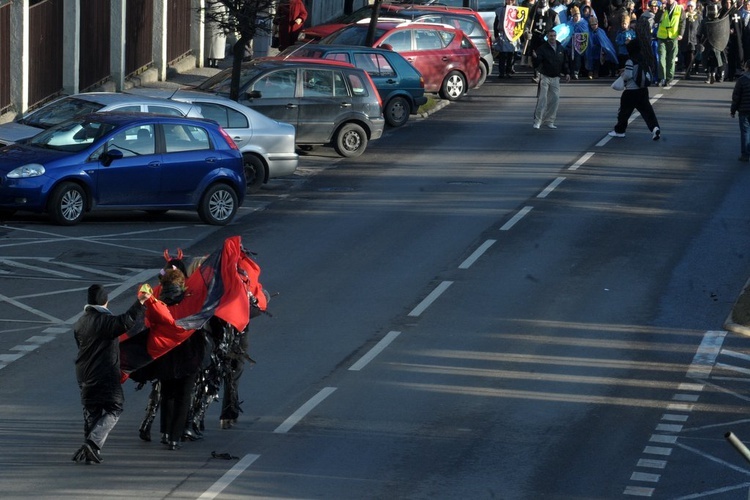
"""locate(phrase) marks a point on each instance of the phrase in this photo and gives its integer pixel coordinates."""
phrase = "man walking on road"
(98, 368)
(551, 61)
(671, 26)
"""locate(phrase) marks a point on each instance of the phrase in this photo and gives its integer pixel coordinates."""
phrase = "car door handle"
(346, 105)
(236, 138)
(211, 159)
(291, 106)
(391, 81)
(445, 58)
(154, 164)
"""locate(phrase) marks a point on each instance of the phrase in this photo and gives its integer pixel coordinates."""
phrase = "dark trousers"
(745, 134)
(505, 62)
(230, 404)
(99, 420)
(631, 100)
(176, 396)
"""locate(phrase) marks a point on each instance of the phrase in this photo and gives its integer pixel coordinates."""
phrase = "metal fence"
(45, 50)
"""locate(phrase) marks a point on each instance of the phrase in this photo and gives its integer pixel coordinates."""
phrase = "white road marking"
(674, 418)
(520, 215)
(735, 354)
(638, 491)
(583, 159)
(705, 357)
(685, 397)
(477, 253)
(551, 187)
(644, 476)
(377, 349)
(650, 463)
(662, 438)
(306, 408)
(669, 428)
(30, 309)
(43, 270)
(432, 297)
(228, 477)
(657, 450)
(90, 270)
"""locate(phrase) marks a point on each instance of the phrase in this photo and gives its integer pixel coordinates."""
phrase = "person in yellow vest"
(671, 21)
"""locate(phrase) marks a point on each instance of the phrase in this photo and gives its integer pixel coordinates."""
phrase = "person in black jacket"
(551, 60)
(741, 105)
(98, 368)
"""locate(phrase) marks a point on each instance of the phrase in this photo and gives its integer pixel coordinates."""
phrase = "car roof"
(340, 47)
(270, 62)
(120, 118)
(112, 98)
(390, 24)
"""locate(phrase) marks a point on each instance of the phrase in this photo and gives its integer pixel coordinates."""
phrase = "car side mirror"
(108, 157)
(254, 94)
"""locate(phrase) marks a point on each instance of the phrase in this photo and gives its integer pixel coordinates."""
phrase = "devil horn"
(166, 255)
(179, 254)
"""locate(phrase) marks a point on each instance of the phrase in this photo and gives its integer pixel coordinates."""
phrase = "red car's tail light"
(230, 141)
(372, 86)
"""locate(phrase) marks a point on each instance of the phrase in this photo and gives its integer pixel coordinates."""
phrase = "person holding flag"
(510, 21)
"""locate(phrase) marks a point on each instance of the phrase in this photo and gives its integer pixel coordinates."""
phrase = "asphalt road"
(472, 309)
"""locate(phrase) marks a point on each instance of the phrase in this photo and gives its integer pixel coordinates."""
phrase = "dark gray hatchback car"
(400, 85)
(328, 102)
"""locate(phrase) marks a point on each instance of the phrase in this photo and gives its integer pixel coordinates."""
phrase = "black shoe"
(80, 455)
(174, 445)
(145, 434)
(164, 439)
(92, 454)
(190, 435)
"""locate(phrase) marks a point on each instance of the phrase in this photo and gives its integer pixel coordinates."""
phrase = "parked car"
(485, 8)
(124, 161)
(267, 145)
(328, 102)
(446, 57)
(69, 107)
(400, 85)
(467, 20)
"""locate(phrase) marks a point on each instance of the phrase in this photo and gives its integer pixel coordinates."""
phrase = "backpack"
(642, 77)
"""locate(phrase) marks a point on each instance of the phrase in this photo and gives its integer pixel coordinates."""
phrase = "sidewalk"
(182, 74)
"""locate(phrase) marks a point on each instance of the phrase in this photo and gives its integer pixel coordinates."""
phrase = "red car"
(446, 57)
(465, 19)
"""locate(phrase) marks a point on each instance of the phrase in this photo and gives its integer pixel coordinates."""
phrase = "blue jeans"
(744, 134)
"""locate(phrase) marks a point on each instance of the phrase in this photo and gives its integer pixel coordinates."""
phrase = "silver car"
(70, 107)
(267, 145)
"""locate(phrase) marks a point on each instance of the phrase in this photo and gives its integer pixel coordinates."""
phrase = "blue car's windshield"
(72, 136)
(60, 111)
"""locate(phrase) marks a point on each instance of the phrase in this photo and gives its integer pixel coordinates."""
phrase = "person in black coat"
(98, 368)
(741, 105)
(177, 370)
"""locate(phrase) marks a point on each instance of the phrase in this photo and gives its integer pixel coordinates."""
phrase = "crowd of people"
(677, 37)
(187, 337)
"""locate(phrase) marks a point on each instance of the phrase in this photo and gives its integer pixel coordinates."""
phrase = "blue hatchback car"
(124, 161)
(400, 85)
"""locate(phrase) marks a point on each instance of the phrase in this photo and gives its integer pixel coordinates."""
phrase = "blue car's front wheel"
(67, 204)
